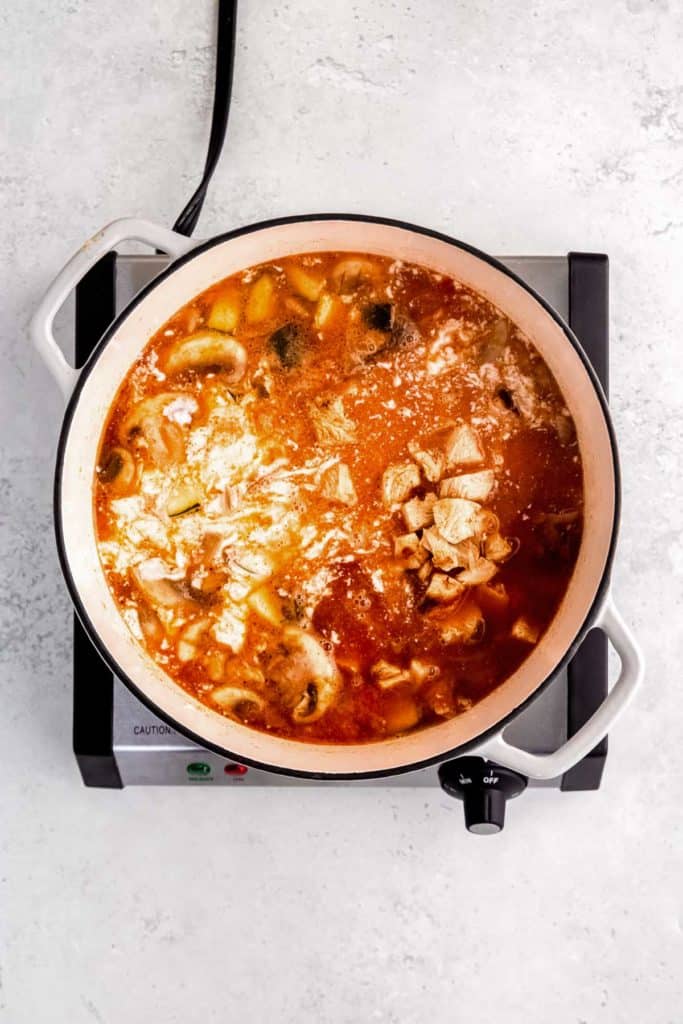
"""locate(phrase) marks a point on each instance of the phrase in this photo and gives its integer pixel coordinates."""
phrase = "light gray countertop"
(520, 128)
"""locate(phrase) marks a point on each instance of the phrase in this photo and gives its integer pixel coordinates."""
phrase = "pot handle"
(126, 229)
(550, 766)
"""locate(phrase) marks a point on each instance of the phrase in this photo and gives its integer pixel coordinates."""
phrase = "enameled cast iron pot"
(91, 391)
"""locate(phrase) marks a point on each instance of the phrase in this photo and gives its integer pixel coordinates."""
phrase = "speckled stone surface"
(521, 128)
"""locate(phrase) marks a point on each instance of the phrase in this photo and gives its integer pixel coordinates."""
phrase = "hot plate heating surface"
(119, 742)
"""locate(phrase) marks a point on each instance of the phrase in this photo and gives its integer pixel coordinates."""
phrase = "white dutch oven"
(91, 391)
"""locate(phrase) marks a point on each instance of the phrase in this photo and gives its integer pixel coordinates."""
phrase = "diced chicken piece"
(399, 481)
(401, 714)
(439, 697)
(331, 424)
(444, 555)
(523, 630)
(337, 485)
(423, 671)
(431, 461)
(408, 548)
(418, 512)
(456, 519)
(481, 572)
(425, 570)
(463, 625)
(474, 486)
(492, 597)
(498, 548)
(387, 675)
(444, 589)
(522, 390)
(462, 447)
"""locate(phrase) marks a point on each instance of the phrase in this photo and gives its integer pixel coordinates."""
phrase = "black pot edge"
(80, 608)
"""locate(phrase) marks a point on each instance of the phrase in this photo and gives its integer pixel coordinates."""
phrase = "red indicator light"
(235, 769)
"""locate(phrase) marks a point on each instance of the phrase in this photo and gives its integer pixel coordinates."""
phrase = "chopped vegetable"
(289, 344)
(185, 497)
(304, 283)
(261, 299)
(224, 314)
(351, 274)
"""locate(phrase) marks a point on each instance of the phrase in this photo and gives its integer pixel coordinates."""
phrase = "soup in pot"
(339, 498)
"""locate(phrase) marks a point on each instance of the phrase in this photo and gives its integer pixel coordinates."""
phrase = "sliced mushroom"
(118, 470)
(289, 344)
(306, 675)
(150, 623)
(399, 481)
(164, 437)
(352, 273)
(209, 350)
(155, 582)
(238, 700)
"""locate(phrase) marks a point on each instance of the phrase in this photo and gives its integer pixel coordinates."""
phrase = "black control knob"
(484, 788)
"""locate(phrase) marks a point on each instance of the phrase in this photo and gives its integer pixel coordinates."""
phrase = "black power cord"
(225, 65)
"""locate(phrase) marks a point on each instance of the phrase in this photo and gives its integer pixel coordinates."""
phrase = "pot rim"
(79, 606)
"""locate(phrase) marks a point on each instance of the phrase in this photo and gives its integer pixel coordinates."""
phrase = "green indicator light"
(198, 768)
